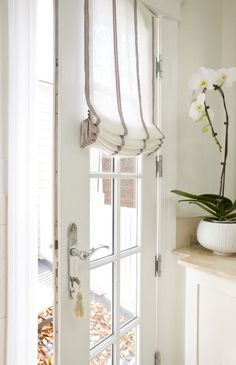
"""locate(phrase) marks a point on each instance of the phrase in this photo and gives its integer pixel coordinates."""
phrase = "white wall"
(206, 38)
(229, 59)
(3, 177)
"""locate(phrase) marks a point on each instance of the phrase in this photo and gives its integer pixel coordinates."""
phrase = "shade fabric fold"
(120, 78)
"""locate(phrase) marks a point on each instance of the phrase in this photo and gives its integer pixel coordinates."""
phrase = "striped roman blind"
(120, 78)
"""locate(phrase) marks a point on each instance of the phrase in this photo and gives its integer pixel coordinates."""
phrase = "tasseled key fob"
(79, 308)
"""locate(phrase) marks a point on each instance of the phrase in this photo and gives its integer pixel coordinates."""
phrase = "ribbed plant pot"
(220, 237)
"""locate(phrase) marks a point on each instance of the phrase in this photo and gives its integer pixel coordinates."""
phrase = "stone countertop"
(198, 257)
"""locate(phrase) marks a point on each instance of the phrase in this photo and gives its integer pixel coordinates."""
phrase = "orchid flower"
(197, 110)
(222, 209)
(203, 79)
(226, 76)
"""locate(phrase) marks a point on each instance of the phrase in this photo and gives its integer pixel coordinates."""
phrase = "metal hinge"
(56, 245)
(157, 358)
(159, 70)
(159, 166)
(158, 265)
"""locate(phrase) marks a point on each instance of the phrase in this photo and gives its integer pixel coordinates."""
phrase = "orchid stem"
(223, 172)
(214, 134)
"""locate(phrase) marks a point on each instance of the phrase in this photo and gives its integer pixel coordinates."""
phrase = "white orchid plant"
(203, 81)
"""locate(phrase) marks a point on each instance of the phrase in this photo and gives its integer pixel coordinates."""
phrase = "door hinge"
(158, 265)
(159, 166)
(159, 70)
(157, 358)
(56, 245)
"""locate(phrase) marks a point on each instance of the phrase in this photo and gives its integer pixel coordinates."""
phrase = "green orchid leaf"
(221, 208)
(230, 216)
(205, 208)
(230, 210)
(207, 204)
(204, 197)
(232, 220)
(226, 201)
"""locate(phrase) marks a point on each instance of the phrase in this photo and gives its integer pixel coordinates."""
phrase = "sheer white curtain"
(120, 77)
(22, 250)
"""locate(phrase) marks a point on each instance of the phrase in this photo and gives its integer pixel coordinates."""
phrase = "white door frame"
(170, 329)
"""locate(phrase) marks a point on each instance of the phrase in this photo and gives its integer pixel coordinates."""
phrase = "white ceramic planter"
(218, 237)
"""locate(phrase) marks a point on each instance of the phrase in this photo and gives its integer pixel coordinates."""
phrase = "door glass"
(99, 161)
(128, 289)
(101, 294)
(128, 348)
(115, 186)
(128, 213)
(104, 358)
(101, 215)
(128, 165)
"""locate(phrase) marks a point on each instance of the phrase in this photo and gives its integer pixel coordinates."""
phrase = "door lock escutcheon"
(73, 253)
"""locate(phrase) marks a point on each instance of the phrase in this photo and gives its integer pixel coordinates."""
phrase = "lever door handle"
(84, 255)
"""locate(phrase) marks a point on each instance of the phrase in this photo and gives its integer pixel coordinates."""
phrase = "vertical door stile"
(117, 240)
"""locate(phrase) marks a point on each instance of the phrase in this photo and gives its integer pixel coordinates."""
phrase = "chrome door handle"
(84, 255)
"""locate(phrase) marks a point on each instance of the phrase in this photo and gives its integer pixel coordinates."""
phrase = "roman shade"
(120, 78)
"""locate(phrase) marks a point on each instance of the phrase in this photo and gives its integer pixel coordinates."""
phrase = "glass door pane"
(101, 215)
(115, 188)
(104, 358)
(101, 303)
(128, 289)
(129, 224)
(128, 345)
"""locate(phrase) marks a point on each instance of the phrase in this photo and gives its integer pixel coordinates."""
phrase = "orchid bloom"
(226, 76)
(197, 110)
(203, 79)
(197, 107)
(201, 82)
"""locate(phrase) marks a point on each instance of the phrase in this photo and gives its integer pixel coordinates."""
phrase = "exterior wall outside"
(3, 179)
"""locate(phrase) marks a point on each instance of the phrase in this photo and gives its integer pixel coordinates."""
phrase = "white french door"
(112, 203)
(122, 280)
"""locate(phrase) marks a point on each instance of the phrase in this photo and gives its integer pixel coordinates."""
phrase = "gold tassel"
(79, 308)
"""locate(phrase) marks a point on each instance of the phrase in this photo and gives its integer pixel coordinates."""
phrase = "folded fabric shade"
(120, 78)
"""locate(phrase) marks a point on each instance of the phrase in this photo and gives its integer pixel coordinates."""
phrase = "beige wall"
(206, 38)
(229, 59)
(3, 180)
